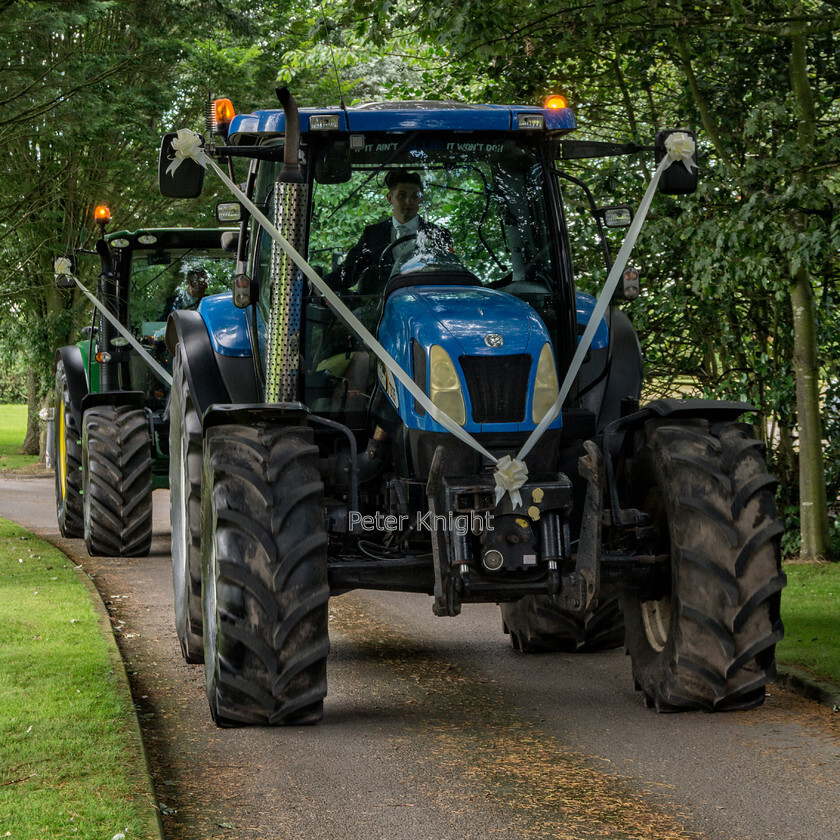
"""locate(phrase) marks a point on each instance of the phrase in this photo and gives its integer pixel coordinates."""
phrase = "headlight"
(444, 386)
(545, 385)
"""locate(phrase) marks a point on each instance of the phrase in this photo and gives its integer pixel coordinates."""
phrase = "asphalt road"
(434, 729)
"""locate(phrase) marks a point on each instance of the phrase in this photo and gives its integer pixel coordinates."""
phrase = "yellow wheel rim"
(62, 454)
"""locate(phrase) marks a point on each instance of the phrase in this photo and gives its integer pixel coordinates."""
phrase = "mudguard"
(136, 399)
(620, 431)
(715, 411)
(74, 372)
(213, 377)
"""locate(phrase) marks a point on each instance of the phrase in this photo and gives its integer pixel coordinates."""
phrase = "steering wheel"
(373, 278)
(389, 249)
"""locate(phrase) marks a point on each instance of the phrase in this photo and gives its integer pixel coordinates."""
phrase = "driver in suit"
(364, 264)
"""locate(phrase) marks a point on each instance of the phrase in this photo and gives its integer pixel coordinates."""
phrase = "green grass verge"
(12, 433)
(812, 619)
(71, 764)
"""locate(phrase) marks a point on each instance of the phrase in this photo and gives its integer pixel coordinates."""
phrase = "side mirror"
(228, 212)
(187, 180)
(619, 216)
(65, 271)
(677, 179)
(333, 164)
(230, 241)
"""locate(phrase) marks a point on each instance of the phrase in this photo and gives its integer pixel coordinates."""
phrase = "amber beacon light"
(221, 115)
(102, 214)
(554, 101)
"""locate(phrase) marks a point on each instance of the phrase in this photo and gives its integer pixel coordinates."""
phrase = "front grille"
(498, 386)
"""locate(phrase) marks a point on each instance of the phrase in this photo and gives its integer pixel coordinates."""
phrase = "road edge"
(806, 685)
(123, 685)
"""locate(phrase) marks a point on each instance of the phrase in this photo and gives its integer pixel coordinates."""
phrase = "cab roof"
(402, 117)
(154, 239)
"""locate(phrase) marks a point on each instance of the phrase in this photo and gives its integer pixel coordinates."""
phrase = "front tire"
(117, 480)
(67, 461)
(264, 576)
(704, 636)
(185, 468)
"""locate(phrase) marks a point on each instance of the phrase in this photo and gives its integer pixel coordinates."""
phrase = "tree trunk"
(813, 508)
(32, 441)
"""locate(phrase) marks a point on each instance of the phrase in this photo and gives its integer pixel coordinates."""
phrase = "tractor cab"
(485, 229)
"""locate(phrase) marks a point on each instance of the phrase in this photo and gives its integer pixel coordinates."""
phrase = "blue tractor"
(303, 465)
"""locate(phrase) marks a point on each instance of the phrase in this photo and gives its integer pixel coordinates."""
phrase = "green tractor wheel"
(117, 479)
(67, 460)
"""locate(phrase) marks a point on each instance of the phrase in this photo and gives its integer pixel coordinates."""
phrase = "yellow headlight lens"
(546, 388)
(444, 387)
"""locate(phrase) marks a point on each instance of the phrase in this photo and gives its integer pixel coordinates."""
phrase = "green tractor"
(111, 442)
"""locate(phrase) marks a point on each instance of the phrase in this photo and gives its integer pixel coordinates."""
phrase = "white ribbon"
(510, 473)
(158, 371)
(678, 147)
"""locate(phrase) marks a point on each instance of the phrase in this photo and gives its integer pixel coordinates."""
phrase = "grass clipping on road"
(71, 764)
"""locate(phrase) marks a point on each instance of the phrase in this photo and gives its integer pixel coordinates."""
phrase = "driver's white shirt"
(410, 228)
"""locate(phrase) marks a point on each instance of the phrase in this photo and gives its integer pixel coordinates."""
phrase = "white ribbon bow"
(510, 475)
(680, 146)
(63, 267)
(186, 145)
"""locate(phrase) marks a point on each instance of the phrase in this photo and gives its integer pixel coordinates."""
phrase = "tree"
(85, 88)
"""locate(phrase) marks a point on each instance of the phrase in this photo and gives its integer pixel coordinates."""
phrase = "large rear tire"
(67, 461)
(705, 638)
(117, 480)
(264, 576)
(536, 625)
(185, 468)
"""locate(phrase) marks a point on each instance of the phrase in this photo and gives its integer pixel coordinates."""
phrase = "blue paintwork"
(585, 306)
(226, 324)
(397, 118)
(457, 318)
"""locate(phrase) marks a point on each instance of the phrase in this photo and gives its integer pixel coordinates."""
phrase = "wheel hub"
(656, 617)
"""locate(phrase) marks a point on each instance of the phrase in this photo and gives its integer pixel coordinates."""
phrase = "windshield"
(161, 282)
(482, 202)
(471, 211)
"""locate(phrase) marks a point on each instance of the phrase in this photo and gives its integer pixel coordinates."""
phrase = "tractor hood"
(492, 339)
(461, 319)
